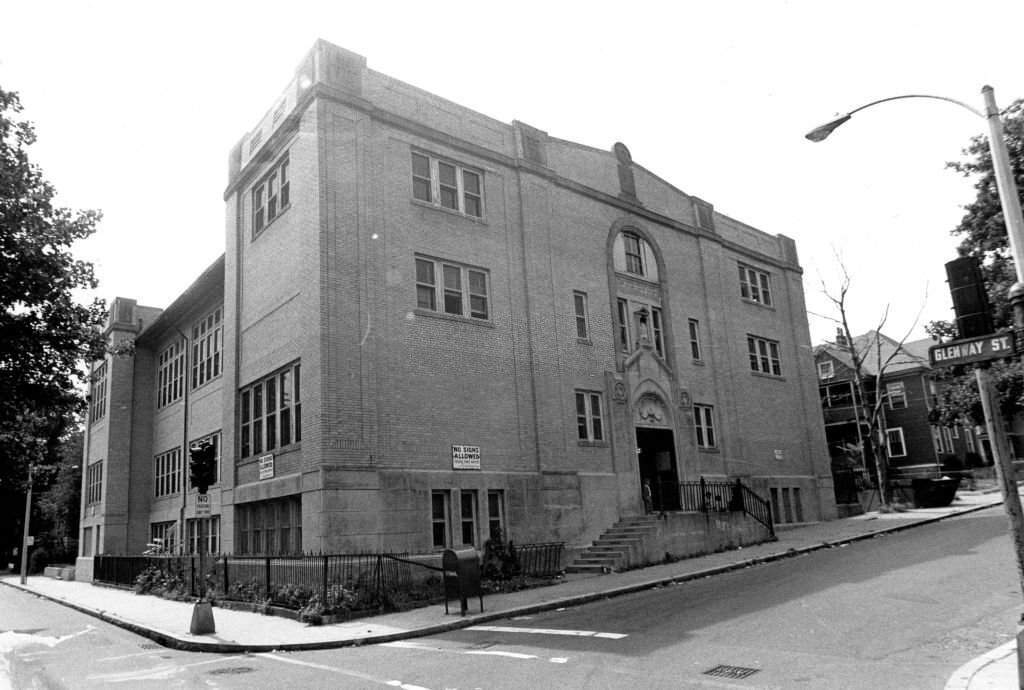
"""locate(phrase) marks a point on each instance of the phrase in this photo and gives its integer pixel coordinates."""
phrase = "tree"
(45, 333)
(870, 356)
(982, 233)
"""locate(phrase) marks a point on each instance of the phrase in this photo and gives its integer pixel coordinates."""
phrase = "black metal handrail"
(710, 497)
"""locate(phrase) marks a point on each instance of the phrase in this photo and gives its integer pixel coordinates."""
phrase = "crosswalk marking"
(548, 631)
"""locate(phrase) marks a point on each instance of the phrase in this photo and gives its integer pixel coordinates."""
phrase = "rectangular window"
(439, 518)
(271, 196)
(947, 439)
(204, 538)
(657, 331)
(448, 185)
(162, 536)
(695, 340)
(936, 438)
(206, 348)
(704, 425)
(94, 483)
(270, 413)
(894, 441)
(969, 440)
(463, 291)
(589, 416)
(764, 355)
(579, 305)
(98, 393)
(755, 285)
(622, 315)
(467, 516)
(167, 473)
(496, 514)
(170, 377)
(271, 528)
(826, 370)
(897, 394)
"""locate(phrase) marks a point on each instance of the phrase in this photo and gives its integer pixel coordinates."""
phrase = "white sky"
(137, 104)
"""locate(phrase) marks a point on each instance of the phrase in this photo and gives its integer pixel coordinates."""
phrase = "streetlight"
(1010, 202)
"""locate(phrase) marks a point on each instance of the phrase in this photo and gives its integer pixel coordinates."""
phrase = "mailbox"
(461, 571)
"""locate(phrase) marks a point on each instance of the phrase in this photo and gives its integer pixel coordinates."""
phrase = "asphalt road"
(902, 611)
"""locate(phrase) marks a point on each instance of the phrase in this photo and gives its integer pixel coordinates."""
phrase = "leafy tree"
(44, 332)
(982, 233)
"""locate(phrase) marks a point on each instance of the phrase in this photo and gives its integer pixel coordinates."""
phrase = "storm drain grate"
(150, 645)
(735, 672)
(232, 670)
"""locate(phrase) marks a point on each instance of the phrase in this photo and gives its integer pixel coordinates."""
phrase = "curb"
(172, 641)
(962, 677)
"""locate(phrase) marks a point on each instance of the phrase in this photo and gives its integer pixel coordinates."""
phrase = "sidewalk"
(167, 622)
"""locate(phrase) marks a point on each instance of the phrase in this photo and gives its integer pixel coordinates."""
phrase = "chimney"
(841, 338)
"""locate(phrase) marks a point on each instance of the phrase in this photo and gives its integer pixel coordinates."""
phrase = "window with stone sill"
(271, 196)
(447, 185)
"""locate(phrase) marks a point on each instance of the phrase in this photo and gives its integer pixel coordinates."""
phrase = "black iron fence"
(540, 560)
(709, 497)
(336, 582)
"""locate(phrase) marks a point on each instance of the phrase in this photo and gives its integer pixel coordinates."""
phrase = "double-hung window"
(897, 394)
(271, 196)
(440, 518)
(448, 185)
(167, 473)
(764, 355)
(755, 285)
(496, 514)
(98, 393)
(270, 413)
(704, 425)
(695, 353)
(206, 348)
(171, 374)
(579, 304)
(895, 442)
(451, 288)
(467, 516)
(589, 416)
(94, 482)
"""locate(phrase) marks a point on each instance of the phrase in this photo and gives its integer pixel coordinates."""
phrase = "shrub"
(500, 559)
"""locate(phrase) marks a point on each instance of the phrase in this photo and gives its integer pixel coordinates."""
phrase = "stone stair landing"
(620, 547)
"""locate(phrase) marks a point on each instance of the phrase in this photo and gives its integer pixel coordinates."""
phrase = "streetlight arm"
(820, 133)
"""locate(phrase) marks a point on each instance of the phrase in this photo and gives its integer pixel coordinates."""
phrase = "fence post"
(703, 497)
(224, 558)
(266, 579)
(380, 582)
(323, 591)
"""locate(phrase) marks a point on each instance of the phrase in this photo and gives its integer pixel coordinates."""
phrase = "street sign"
(202, 504)
(982, 349)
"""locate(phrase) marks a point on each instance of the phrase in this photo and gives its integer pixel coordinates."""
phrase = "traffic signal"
(202, 465)
(970, 301)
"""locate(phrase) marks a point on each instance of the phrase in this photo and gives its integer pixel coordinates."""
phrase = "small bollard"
(202, 619)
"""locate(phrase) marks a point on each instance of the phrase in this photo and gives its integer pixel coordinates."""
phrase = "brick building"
(428, 324)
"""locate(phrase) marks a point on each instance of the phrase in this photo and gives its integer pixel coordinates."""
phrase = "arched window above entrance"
(634, 256)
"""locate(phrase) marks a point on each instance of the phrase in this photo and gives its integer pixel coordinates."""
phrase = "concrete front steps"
(620, 547)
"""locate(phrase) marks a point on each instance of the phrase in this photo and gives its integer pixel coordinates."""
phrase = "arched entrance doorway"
(656, 456)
